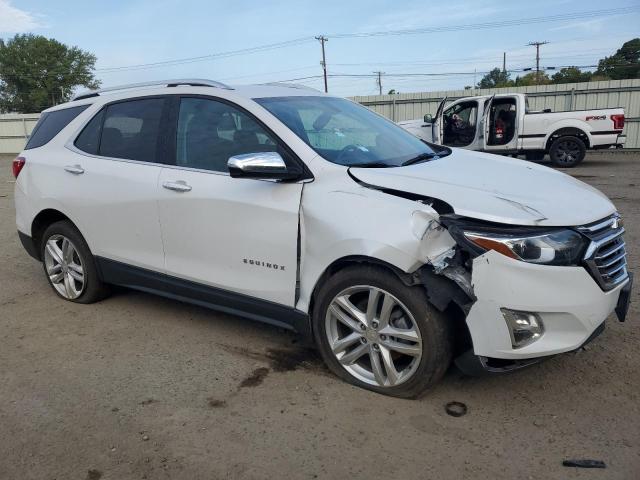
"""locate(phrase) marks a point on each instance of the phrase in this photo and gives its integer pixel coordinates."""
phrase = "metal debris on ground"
(456, 409)
(586, 463)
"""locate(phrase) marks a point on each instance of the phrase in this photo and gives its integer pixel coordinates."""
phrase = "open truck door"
(485, 124)
(437, 125)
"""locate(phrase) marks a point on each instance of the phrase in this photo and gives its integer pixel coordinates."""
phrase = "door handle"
(179, 186)
(75, 169)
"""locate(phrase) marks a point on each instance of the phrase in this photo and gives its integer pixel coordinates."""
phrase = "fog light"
(524, 327)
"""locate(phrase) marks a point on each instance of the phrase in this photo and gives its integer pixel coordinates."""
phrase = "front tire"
(567, 151)
(69, 265)
(375, 332)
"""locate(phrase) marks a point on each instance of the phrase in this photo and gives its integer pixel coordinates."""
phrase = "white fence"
(568, 96)
(14, 128)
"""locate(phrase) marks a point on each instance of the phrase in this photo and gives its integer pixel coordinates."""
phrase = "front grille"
(605, 257)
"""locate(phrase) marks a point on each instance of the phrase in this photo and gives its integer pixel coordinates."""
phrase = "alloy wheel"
(568, 152)
(373, 335)
(64, 267)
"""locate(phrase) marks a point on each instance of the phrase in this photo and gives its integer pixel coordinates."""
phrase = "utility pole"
(322, 39)
(379, 81)
(504, 62)
(537, 45)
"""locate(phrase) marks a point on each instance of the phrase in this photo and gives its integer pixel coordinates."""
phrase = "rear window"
(51, 123)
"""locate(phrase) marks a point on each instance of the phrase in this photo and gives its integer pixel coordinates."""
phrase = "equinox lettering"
(260, 263)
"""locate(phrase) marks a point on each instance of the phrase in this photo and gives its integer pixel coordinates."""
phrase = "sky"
(126, 34)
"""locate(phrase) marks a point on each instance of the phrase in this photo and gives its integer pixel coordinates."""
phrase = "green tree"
(571, 75)
(494, 79)
(533, 78)
(38, 72)
(625, 63)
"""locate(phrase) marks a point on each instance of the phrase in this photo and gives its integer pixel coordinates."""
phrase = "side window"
(51, 123)
(89, 139)
(131, 130)
(209, 132)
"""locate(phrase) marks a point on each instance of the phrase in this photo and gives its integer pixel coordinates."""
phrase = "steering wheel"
(349, 149)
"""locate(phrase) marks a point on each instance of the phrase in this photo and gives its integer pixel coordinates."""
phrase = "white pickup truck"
(504, 124)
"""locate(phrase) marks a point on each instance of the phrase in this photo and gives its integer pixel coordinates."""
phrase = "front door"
(238, 235)
(436, 125)
(460, 125)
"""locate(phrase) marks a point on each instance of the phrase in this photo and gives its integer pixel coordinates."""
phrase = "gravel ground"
(139, 386)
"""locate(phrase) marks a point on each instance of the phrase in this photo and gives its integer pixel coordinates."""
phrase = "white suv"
(312, 213)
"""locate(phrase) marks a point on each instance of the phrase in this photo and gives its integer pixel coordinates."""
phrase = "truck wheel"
(375, 332)
(534, 156)
(567, 151)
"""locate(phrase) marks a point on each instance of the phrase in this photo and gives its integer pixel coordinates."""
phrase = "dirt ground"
(139, 386)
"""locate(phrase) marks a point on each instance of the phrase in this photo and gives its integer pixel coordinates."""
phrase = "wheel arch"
(351, 260)
(42, 221)
(568, 131)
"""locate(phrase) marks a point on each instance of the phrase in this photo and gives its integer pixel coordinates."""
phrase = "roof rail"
(192, 82)
(290, 85)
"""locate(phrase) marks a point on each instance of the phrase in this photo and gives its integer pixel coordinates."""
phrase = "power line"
(496, 24)
(232, 53)
(420, 74)
(443, 28)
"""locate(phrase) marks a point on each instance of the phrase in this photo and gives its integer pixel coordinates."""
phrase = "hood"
(497, 189)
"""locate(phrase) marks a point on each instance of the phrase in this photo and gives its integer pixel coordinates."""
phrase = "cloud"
(14, 20)
(591, 26)
(416, 15)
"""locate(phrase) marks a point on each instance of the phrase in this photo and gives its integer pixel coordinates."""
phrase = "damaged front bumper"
(570, 303)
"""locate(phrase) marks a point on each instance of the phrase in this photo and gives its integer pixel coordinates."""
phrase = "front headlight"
(558, 247)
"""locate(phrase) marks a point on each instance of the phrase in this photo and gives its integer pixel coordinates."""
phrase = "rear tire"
(385, 337)
(567, 151)
(69, 265)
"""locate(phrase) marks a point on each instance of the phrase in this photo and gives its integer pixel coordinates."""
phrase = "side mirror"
(269, 165)
(428, 118)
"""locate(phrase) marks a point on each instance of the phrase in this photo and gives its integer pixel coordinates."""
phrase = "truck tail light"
(618, 121)
(18, 163)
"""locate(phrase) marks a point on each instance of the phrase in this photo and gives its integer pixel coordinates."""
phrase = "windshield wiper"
(369, 165)
(420, 158)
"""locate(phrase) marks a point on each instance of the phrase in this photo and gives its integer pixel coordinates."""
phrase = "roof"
(197, 86)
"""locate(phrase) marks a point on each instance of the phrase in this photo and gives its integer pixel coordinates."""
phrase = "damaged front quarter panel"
(444, 275)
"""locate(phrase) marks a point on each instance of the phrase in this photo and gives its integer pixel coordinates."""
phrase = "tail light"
(18, 163)
(618, 121)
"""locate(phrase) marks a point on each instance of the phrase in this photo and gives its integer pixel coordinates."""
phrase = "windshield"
(346, 133)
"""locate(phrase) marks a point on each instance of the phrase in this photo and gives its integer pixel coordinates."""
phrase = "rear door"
(109, 181)
(501, 124)
(235, 234)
